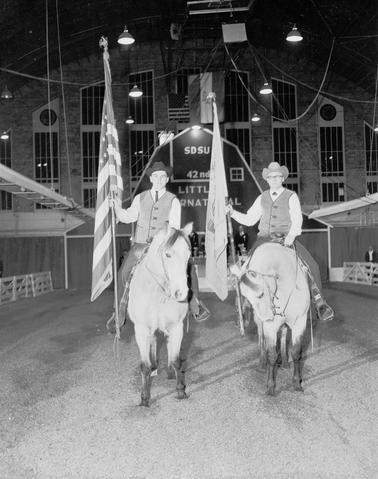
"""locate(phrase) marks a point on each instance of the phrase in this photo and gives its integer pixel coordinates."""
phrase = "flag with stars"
(109, 182)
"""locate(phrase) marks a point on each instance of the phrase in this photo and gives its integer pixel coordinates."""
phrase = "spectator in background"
(241, 241)
(193, 237)
(371, 255)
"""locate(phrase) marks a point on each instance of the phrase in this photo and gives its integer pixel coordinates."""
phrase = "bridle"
(163, 280)
(273, 294)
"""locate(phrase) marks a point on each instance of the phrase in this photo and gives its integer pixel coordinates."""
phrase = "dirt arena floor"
(69, 404)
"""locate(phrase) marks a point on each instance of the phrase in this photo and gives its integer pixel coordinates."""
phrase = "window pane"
(283, 100)
(331, 151)
(142, 108)
(92, 99)
(240, 137)
(141, 148)
(46, 160)
(236, 97)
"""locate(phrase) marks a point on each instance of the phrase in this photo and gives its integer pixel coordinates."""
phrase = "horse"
(275, 284)
(158, 301)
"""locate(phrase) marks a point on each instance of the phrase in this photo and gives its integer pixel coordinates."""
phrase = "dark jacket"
(375, 256)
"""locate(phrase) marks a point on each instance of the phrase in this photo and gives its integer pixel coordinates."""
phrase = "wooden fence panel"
(23, 286)
(361, 273)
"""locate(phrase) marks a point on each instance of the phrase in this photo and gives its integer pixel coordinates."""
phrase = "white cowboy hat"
(275, 167)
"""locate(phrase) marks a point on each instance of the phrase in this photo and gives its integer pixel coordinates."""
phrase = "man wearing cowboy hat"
(151, 209)
(279, 214)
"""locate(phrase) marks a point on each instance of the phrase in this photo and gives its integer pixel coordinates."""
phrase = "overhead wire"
(63, 101)
(51, 143)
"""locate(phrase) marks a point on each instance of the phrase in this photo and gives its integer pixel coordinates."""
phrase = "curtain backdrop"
(351, 244)
(80, 252)
(25, 255)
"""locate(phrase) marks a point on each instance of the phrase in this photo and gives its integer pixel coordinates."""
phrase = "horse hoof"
(181, 395)
(271, 392)
(171, 374)
(299, 388)
(144, 403)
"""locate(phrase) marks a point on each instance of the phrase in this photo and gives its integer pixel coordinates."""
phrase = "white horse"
(277, 288)
(158, 300)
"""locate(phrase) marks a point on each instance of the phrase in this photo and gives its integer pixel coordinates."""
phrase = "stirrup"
(325, 312)
(203, 313)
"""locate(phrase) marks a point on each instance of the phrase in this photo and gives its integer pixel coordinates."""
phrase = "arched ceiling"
(75, 26)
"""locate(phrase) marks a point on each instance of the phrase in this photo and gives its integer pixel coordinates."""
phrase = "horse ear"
(187, 229)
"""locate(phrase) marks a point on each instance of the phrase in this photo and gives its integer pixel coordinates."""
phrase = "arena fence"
(362, 273)
(24, 286)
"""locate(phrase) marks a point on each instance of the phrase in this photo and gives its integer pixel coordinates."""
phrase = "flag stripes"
(109, 182)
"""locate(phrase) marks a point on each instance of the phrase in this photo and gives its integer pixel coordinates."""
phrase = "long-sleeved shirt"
(131, 214)
(254, 213)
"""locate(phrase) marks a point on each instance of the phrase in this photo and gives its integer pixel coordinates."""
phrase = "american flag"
(178, 107)
(109, 182)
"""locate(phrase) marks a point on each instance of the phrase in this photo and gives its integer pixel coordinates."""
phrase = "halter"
(273, 295)
(163, 285)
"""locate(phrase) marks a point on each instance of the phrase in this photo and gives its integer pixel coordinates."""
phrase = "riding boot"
(198, 309)
(324, 311)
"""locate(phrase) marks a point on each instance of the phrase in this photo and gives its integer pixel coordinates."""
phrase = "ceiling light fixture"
(294, 36)
(129, 120)
(266, 90)
(255, 118)
(376, 128)
(5, 135)
(6, 94)
(135, 92)
(125, 38)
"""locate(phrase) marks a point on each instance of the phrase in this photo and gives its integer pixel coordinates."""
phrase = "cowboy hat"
(159, 166)
(274, 167)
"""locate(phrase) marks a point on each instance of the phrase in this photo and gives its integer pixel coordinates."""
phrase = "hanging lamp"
(6, 94)
(255, 118)
(135, 92)
(294, 36)
(4, 135)
(266, 89)
(129, 120)
(126, 38)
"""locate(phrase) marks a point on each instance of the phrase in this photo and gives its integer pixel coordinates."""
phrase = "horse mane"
(174, 236)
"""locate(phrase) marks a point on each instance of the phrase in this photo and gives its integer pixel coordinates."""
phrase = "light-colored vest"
(152, 216)
(275, 216)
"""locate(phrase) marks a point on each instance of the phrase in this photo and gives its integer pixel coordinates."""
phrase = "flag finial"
(211, 96)
(103, 42)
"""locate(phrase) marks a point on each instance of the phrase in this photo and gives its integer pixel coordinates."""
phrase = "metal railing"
(24, 286)
(361, 273)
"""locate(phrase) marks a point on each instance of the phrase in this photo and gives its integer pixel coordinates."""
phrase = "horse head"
(255, 287)
(173, 248)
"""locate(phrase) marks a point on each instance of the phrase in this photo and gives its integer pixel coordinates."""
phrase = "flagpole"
(115, 275)
(237, 286)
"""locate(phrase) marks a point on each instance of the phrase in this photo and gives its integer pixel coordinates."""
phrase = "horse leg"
(270, 337)
(153, 355)
(174, 359)
(283, 351)
(297, 359)
(143, 339)
(262, 350)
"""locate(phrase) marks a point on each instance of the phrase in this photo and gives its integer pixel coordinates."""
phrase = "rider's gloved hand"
(289, 240)
(228, 209)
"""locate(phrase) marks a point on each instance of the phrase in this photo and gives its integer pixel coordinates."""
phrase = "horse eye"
(168, 254)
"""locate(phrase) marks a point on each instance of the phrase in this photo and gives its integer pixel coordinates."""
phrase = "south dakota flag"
(216, 224)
